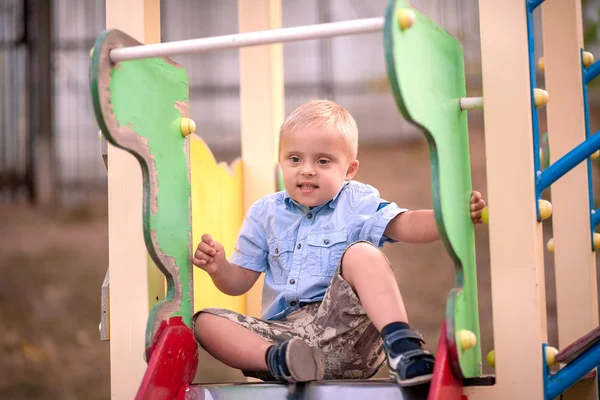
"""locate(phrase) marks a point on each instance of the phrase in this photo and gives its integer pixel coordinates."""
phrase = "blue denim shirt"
(300, 248)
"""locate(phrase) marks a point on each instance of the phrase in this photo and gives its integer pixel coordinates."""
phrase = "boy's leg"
(241, 348)
(368, 272)
(231, 343)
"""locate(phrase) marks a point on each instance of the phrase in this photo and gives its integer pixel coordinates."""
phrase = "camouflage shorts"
(338, 325)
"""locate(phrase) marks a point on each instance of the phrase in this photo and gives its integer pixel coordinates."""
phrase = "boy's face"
(314, 165)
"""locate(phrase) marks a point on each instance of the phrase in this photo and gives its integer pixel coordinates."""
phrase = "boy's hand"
(477, 206)
(210, 255)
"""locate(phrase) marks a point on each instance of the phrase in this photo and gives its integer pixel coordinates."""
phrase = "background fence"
(60, 153)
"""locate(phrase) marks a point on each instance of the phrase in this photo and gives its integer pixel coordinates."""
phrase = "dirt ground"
(53, 264)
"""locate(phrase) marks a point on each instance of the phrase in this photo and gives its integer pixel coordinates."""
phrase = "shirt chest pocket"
(324, 252)
(280, 260)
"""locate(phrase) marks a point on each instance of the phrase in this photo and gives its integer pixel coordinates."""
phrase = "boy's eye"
(323, 162)
(295, 159)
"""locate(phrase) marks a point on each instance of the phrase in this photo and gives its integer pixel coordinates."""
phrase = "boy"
(331, 307)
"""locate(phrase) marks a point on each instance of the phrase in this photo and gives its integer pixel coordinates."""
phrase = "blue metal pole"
(595, 220)
(533, 4)
(572, 372)
(591, 72)
(586, 108)
(534, 113)
(567, 162)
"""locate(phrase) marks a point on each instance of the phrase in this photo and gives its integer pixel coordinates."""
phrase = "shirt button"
(326, 241)
(309, 215)
(292, 281)
(293, 303)
(299, 245)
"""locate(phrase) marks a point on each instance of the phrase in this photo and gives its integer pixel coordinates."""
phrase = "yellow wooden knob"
(406, 18)
(545, 208)
(100, 134)
(588, 59)
(485, 215)
(468, 340)
(491, 359)
(188, 126)
(550, 245)
(541, 64)
(540, 97)
(596, 239)
(595, 155)
(91, 52)
(551, 353)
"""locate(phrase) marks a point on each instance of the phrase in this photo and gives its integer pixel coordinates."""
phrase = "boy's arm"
(419, 226)
(414, 226)
(232, 279)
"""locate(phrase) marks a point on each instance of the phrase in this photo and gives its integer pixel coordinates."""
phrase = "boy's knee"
(202, 324)
(360, 254)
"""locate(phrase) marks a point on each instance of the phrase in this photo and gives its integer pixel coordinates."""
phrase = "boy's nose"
(307, 170)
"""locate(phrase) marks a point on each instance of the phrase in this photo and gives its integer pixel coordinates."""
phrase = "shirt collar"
(290, 203)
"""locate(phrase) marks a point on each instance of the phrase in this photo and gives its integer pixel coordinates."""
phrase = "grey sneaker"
(412, 367)
(295, 361)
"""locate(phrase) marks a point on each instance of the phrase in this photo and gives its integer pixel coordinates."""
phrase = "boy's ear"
(352, 170)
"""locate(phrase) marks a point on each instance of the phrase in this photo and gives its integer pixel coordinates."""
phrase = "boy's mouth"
(304, 186)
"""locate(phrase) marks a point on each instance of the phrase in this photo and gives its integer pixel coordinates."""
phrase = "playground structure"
(415, 48)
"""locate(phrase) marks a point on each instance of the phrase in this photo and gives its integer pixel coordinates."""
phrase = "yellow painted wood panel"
(217, 209)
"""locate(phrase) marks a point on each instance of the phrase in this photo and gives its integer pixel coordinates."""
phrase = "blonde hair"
(326, 115)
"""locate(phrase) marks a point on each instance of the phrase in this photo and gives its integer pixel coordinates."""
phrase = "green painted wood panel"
(139, 105)
(426, 71)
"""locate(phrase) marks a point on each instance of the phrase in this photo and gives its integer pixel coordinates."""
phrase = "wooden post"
(575, 262)
(128, 257)
(516, 248)
(262, 109)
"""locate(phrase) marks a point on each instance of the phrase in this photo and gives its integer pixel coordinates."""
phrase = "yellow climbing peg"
(491, 359)
(545, 208)
(485, 215)
(188, 126)
(406, 18)
(550, 245)
(596, 239)
(540, 97)
(588, 59)
(468, 340)
(551, 353)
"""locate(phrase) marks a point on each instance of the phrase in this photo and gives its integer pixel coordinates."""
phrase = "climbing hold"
(468, 340)
(541, 64)
(485, 215)
(491, 359)
(100, 134)
(595, 155)
(588, 59)
(188, 126)
(545, 208)
(551, 353)
(596, 239)
(406, 18)
(540, 97)
(91, 52)
(550, 245)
